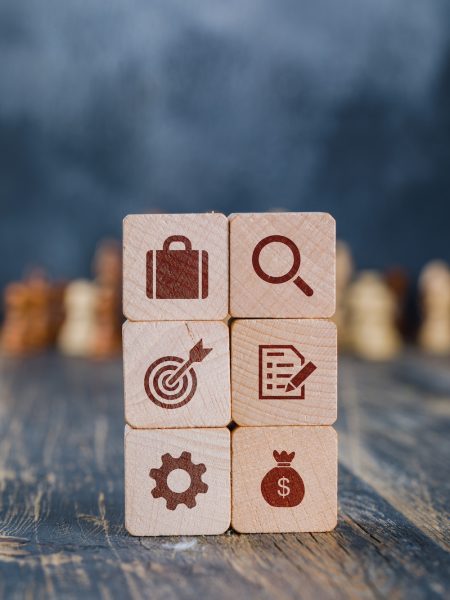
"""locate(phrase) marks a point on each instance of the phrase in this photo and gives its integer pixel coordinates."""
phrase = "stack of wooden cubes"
(191, 283)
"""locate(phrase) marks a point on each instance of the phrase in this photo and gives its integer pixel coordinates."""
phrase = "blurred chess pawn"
(107, 332)
(76, 335)
(344, 273)
(398, 281)
(56, 311)
(107, 264)
(32, 315)
(107, 335)
(39, 314)
(14, 334)
(372, 318)
(434, 286)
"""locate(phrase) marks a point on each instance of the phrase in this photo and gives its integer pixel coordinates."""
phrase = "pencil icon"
(283, 371)
(300, 377)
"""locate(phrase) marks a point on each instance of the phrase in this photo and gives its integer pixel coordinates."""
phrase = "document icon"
(282, 372)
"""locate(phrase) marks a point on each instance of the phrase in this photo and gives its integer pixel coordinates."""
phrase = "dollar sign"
(284, 489)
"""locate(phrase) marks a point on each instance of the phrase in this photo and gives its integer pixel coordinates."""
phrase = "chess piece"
(39, 292)
(107, 333)
(76, 336)
(14, 335)
(398, 281)
(32, 315)
(344, 273)
(372, 315)
(107, 264)
(434, 285)
(56, 311)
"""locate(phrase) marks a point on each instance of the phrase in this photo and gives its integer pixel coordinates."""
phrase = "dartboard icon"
(170, 381)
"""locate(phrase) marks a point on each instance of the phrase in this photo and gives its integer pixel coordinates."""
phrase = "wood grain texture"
(261, 486)
(145, 344)
(315, 339)
(206, 233)
(62, 529)
(205, 472)
(314, 236)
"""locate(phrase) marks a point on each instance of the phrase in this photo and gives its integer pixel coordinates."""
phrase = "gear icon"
(169, 464)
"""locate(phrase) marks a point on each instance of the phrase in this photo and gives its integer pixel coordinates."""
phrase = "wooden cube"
(175, 267)
(284, 479)
(177, 482)
(284, 371)
(176, 374)
(282, 265)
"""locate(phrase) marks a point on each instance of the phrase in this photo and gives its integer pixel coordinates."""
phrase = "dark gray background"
(109, 107)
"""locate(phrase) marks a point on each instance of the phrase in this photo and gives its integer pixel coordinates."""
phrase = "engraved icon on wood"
(171, 465)
(282, 485)
(288, 275)
(282, 372)
(171, 381)
(177, 274)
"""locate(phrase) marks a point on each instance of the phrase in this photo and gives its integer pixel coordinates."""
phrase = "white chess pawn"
(434, 285)
(372, 314)
(344, 272)
(77, 332)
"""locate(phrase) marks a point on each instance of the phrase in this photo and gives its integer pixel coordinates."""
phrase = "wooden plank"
(284, 371)
(62, 512)
(282, 265)
(175, 267)
(395, 437)
(197, 354)
(284, 479)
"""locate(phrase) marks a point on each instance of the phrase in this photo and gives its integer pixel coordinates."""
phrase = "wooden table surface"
(61, 496)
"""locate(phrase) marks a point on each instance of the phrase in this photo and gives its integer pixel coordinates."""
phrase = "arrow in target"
(196, 354)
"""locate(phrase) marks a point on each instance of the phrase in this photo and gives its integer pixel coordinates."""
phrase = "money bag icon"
(282, 485)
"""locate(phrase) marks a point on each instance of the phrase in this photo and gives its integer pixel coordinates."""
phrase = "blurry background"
(114, 107)
(111, 107)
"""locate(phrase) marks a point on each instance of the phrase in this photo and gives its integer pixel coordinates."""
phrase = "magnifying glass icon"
(299, 282)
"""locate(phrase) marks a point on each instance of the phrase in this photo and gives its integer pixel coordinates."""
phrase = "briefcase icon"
(174, 274)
